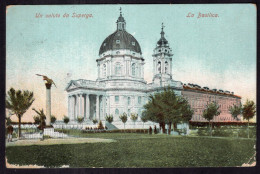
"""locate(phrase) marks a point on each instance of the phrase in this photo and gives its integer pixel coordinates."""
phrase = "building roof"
(120, 39)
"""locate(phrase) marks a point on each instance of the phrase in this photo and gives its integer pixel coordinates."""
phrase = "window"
(117, 112)
(129, 100)
(166, 67)
(104, 44)
(159, 67)
(133, 69)
(118, 41)
(133, 43)
(116, 98)
(128, 112)
(117, 52)
(139, 100)
(118, 69)
(104, 70)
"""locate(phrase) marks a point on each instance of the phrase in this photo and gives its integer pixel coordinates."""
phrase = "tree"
(248, 112)
(94, 121)
(166, 108)
(123, 118)
(109, 118)
(134, 117)
(18, 102)
(53, 119)
(211, 110)
(100, 125)
(235, 111)
(40, 118)
(80, 119)
(66, 119)
(144, 118)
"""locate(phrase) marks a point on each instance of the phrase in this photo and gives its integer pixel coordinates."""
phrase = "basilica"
(120, 86)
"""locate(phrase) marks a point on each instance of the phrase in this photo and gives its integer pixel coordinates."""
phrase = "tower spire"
(120, 21)
(162, 32)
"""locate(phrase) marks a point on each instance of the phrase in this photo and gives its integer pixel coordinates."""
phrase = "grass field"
(137, 150)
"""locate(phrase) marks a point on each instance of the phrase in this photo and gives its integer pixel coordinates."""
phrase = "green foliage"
(235, 111)
(94, 121)
(211, 110)
(80, 119)
(144, 117)
(40, 118)
(249, 110)
(201, 152)
(134, 117)
(100, 125)
(8, 121)
(53, 119)
(123, 117)
(167, 107)
(66, 119)
(18, 102)
(109, 118)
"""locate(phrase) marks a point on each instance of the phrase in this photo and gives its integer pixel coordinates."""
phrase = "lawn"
(137, 150)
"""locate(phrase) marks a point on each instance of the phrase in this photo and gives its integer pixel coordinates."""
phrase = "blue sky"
(215, 52)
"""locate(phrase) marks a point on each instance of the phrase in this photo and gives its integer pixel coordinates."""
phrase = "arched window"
(139, 100)
(159, 67)
(118, 68)
(166, 67)
(133, 69)
(117, 112)
(128, 100)
(104, 70)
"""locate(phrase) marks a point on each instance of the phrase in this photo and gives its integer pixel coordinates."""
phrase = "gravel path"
(58, 141)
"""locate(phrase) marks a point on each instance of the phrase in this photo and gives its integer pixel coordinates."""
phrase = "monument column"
(69, 107)
(48, 104)
(76, 106)
(104, 106)
(97, 107)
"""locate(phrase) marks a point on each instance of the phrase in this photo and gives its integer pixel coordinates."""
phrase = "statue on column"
(48, 83)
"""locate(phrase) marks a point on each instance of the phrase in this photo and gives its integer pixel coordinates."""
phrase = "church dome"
(120, 39)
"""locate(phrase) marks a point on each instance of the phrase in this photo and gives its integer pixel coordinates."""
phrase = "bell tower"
(162, 61)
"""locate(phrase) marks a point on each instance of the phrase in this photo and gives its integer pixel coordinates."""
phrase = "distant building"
(121, 88)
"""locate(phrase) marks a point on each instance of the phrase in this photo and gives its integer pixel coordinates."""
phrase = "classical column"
(110, 67)
(69, 107)
(74, 102)
(104, 106)
(48, 104)
(97, 107)
(76, 106)
(87, 107)
(108, 104)
(80, 105)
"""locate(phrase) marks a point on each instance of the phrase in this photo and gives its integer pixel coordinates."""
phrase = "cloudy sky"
(217, 52)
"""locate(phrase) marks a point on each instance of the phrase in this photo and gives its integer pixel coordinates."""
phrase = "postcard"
(130, 86)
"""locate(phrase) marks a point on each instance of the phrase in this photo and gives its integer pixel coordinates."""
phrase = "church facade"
(120, 86)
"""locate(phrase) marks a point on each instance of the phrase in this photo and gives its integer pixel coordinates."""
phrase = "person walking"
(10, 130)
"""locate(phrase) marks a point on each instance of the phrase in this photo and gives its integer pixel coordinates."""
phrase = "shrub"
(109, 118)
(53, 119)
(80, 119)
(155, 129)
(100, 125)
(150, 130)
(66, 119)
(94, 121)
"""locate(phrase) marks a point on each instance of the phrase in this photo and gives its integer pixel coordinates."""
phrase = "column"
(104, 107)
(87, 107)
(80, 105)
(48, 106)
(97, 107)
(69, 107)
(108, 105)
(76, 106)
(110, 67)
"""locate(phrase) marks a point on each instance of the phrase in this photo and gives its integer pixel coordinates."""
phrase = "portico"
(88, 105)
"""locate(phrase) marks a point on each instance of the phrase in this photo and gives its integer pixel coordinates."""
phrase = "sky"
(217, 52)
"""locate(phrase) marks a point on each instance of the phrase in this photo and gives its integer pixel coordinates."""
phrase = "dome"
(120, 39)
